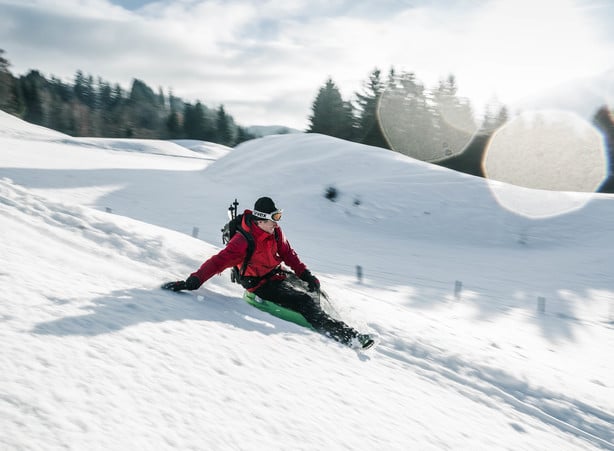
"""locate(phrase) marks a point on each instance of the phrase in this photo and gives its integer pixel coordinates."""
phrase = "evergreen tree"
(117, 96)
(105, 95)
(454, 116)
(369, 131)
(224, 133)
(90, 92)
(60, 108)
(31, 86)
(114, 110)
(190, 122)
(4, 63)
(209, 125)
(10, 98)
(331, 115)
(161, 99)
(174, 103)
(141, 93)
(243, 135)
(61, 90)
(84, 89)
(405, 116)
(144, 109)
(104, 104)
(172, 125)
(79, 85)
(174, 119)
(194, 123)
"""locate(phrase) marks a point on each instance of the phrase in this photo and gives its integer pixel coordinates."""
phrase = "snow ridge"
(490, 384)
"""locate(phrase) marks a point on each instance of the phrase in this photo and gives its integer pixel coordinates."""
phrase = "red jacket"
(269, 253)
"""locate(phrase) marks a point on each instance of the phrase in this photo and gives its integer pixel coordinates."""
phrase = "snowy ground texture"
(495, 326)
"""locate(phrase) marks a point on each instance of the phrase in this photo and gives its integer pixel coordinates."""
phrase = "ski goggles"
(275, 216)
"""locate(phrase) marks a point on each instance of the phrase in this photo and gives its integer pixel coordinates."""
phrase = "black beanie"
(265, 205)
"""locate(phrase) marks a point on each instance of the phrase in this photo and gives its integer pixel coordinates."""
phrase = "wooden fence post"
(458, 289)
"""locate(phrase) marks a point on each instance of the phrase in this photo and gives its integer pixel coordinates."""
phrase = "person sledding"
(259, 251)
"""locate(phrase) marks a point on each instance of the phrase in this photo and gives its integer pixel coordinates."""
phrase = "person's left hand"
(192, 283)
(175, 286)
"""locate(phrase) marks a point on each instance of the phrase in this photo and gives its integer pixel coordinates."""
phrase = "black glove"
(175, 286)
(312, 281)
(193, 283)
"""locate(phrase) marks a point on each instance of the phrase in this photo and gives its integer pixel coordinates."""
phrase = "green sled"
(276, 310)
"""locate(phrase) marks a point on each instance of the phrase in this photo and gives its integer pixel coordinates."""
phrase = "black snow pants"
(292, 293)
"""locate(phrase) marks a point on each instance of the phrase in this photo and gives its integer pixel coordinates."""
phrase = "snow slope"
(95, 356)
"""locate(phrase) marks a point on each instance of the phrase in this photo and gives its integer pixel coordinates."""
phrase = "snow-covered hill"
(95, 356)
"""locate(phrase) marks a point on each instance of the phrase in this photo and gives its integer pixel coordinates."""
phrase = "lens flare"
(427, 127)
(548, 150)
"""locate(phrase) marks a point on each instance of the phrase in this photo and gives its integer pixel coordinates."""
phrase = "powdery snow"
(95, 356)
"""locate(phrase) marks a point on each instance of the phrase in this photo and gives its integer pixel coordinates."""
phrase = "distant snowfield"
(95, 356)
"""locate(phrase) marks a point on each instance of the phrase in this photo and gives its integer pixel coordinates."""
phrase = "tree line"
(397, 112)
(94, 107)
(374, 116)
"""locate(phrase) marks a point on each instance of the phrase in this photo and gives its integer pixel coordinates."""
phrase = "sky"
(266, 60)
(493, 328)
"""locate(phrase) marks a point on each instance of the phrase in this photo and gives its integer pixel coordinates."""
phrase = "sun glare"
(551, 150)
(547, 150)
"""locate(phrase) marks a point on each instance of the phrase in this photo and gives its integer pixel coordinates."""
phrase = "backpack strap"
(251, 245)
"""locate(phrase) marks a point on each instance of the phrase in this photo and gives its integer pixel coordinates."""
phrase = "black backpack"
(228, 231)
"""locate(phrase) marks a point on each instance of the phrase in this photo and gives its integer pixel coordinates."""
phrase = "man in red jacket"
(265, 277)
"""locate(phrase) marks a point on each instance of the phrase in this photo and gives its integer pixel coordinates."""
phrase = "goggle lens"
(275, 216)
